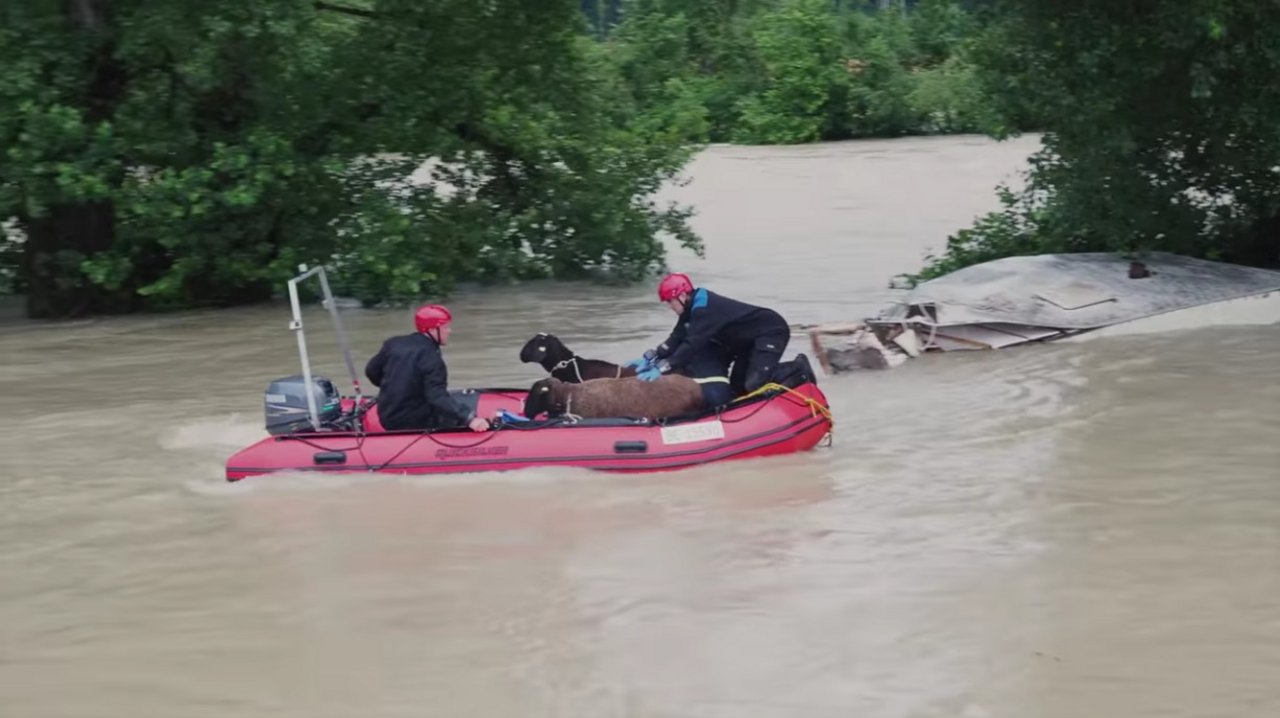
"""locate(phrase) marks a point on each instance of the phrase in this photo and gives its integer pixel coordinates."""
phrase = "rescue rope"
(491, 434)
(815, 406)
(568, 410)
(573, 361)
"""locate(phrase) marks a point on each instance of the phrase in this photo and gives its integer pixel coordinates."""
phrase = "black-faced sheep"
(668, 395)
(548, 351)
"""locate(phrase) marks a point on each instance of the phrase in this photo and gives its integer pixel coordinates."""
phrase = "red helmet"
(431, 316)
(673, 285)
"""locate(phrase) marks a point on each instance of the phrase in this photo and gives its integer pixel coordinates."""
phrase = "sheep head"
(546, 395)
(546, 350)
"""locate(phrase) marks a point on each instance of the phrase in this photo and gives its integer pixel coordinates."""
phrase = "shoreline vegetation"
(160, 155)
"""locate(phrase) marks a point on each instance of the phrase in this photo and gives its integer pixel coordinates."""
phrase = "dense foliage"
(162, 153)
(786, 71)
(1163, 129)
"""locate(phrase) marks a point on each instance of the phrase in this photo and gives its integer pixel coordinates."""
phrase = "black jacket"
(713, 319)
(413, 384)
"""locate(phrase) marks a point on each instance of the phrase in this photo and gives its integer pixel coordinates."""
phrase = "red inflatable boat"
(780, 421)
(313, 428)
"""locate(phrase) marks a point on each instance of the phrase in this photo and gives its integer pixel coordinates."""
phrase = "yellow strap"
(815, 407)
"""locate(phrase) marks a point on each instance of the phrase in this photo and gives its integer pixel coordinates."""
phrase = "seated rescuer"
(412, 379)
(752, 337)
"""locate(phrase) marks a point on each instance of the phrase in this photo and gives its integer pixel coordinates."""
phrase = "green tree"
(1162, 129)
(784, 71)
(807, 83)
(939, 30)
(677, 54)
(140, 161)
(163, 154)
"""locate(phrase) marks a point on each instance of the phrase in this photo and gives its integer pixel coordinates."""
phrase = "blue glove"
(637, 364)
(510, 418)
(650, 374)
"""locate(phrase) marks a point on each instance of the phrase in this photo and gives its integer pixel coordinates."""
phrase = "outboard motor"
(285, 404)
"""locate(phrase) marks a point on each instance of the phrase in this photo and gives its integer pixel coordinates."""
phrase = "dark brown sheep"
(669, 395)
(548, 351)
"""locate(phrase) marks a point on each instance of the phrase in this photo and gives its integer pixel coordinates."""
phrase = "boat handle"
(330, 457)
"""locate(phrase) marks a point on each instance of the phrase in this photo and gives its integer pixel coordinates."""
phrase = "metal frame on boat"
(296, 326)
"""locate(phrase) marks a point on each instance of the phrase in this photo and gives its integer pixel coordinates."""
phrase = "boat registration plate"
(688, 433)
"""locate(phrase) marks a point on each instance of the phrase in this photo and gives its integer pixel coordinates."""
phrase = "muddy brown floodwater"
(1052, 531)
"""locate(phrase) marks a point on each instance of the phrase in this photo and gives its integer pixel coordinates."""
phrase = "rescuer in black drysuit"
(412, 379)
(712, 332)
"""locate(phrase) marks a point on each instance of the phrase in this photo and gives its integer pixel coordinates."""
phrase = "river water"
(1060, 530)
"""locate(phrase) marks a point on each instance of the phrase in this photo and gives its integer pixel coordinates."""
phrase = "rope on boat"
(815, 406)
(573, 361)
(489, 436)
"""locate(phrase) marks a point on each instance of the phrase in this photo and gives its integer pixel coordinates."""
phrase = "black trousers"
(754, 367)
(711, 362)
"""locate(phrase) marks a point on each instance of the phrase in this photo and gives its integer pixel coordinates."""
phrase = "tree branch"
(86, 14)
(355, 11)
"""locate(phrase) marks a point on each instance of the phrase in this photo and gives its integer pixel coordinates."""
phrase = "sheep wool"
(669, 395)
